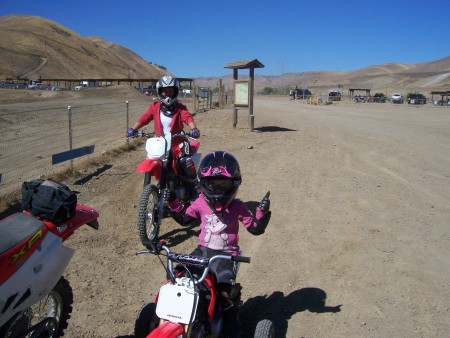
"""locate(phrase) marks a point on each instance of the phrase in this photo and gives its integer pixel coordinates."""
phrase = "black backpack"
(49, 200)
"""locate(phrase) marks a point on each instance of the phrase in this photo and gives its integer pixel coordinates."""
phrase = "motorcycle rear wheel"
(49, 316)
(148, 213)
(146, 321)
(265, 329)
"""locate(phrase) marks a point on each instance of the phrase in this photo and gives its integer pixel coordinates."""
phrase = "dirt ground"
(358, 244)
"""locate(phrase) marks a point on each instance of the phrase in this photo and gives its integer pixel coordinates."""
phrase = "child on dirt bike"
(169, 115)
(220, 213)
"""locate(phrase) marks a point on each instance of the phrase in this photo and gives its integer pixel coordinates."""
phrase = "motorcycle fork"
(163, 182)
(147, 178)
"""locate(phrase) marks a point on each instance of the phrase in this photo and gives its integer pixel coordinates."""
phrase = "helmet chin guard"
(167, 110)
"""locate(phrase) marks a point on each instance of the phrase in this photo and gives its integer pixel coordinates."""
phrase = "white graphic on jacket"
(214, 238)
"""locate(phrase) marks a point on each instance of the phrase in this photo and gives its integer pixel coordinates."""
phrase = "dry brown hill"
(390, 77)
(33, 47)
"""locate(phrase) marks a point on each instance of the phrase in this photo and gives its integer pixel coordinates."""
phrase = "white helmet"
(165, 82)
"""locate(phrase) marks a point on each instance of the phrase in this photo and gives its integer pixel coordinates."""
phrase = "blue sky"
(198, 38)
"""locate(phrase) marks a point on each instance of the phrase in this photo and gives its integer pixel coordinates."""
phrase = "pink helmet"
(219, 165)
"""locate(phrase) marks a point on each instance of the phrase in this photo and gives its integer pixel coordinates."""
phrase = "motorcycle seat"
(16, 228)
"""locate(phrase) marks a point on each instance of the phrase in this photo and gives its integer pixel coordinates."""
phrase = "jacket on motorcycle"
(181, 115)
(219, 230)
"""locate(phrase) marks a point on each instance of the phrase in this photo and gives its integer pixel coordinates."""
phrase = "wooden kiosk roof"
(245, 64)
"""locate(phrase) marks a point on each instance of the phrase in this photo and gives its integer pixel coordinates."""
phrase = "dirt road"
(358, 244)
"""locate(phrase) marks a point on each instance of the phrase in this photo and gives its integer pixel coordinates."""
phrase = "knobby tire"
(147, 218)
(146, 321)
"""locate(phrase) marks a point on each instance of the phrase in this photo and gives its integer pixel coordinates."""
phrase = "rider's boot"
(194, 188)
(231, 297)
(190, 172)
(232, 324)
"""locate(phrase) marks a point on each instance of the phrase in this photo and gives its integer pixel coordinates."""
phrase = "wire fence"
(30, 138)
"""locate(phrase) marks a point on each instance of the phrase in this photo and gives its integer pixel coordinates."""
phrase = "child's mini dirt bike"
(35, 298)
(187, 305)
(162, 164)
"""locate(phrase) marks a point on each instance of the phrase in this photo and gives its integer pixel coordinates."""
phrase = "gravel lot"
(358, 244)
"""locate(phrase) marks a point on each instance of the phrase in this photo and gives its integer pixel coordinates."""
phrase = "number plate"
(156, 147)
(176, 303)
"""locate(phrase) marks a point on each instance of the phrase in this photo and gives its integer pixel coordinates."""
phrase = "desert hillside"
(33, 47)
(391, 77)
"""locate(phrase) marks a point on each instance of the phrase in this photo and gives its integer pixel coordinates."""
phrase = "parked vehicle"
(302, 94)
(163, 165)
(35, 299)
(359, 99)
(35, 85)
(203, 93)
(416, 98)
(441, 102)
(81, 86)
(7, 84)
(21, 85)
(188, 304)
(334, 95)
(186, 91)
(379, 98)
(397, 98)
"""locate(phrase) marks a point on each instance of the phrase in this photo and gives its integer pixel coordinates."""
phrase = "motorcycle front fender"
(167, 329)
(84, 214)
(149, 165)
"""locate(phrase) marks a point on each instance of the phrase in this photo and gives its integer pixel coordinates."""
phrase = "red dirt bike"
(163, 165)
(35, 299)
(187, 305)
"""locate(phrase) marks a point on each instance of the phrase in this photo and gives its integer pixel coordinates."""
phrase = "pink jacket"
(219, 230)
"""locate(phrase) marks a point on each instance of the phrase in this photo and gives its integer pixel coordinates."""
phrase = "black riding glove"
(264, 205)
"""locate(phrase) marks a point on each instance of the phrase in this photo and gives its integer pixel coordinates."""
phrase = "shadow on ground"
(94, 174)
(272, 129)
(279, 308)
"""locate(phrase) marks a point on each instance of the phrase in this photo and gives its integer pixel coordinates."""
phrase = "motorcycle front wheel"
(146, 321)
(265, 329)
(148, 214)
(47, 318)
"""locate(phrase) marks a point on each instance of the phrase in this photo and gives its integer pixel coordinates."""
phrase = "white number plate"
(176, 303)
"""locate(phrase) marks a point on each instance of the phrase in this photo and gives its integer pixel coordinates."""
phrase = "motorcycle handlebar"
(156, 248)
(142, 133)
(241, 259)
(200, 260)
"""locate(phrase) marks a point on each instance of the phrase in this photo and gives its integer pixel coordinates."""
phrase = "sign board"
(241, 93)
(71, 154)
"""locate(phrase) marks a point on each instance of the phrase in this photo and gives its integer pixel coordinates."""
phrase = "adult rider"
(169, 115)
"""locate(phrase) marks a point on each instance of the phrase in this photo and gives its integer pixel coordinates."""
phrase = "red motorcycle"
(163, 165)
(187, 305)
(35, 299)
